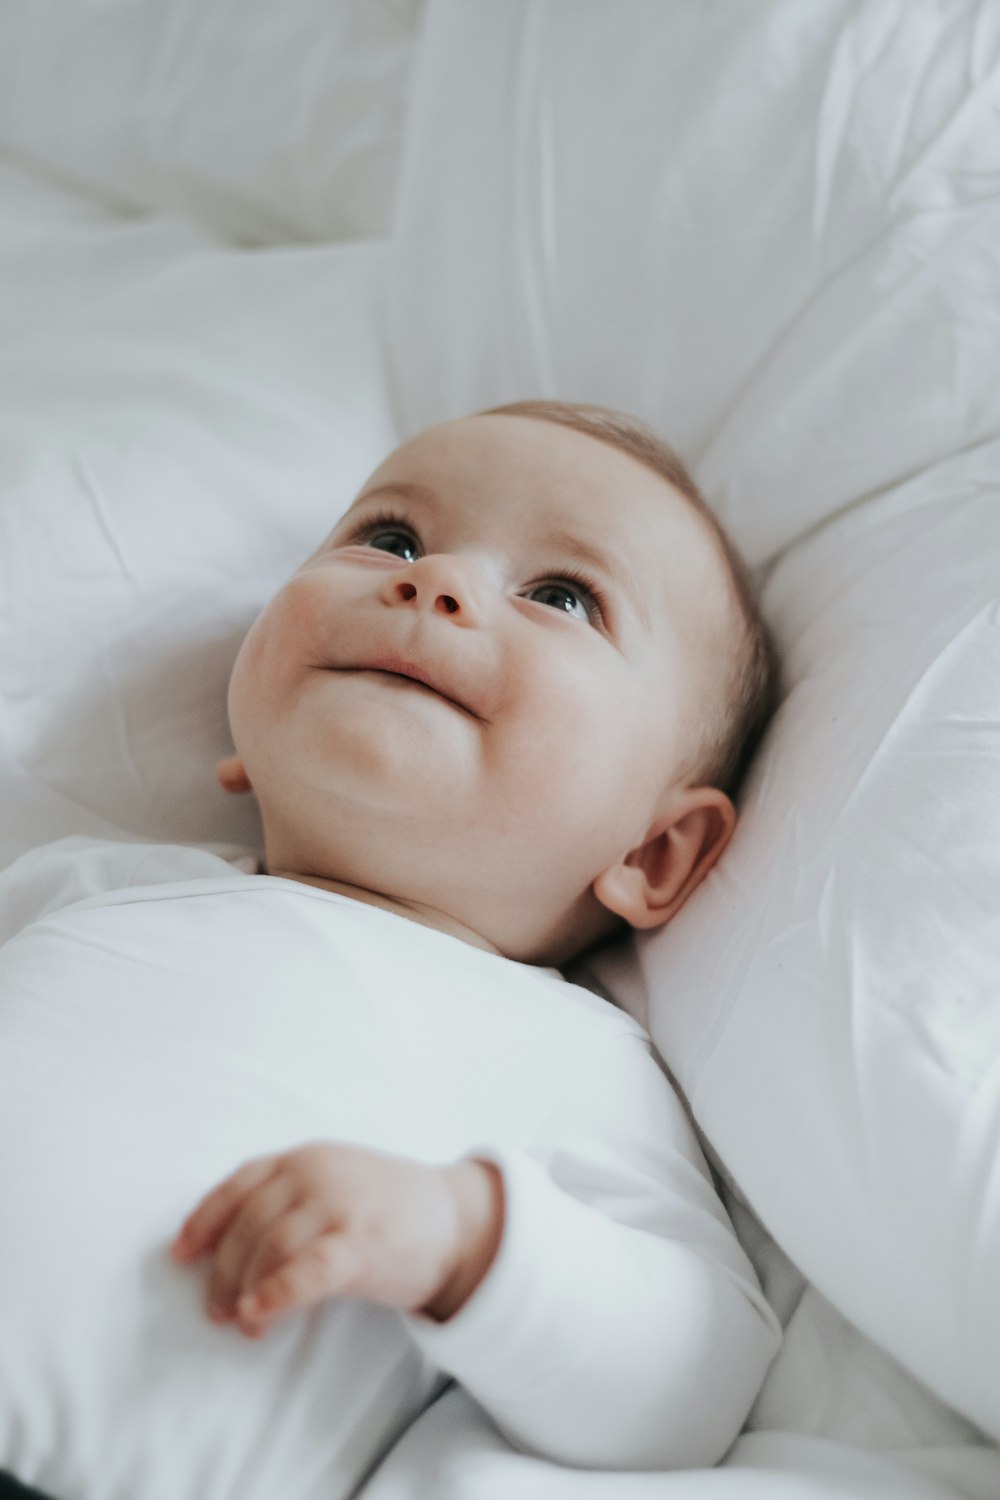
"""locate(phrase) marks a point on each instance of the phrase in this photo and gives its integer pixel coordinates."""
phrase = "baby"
(494, 719)
(504, 699)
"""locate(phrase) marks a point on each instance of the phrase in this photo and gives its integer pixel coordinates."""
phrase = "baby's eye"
(572, 598)
(393, 539)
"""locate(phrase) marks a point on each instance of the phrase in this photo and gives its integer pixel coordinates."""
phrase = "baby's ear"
(232, 776)
(653, 881)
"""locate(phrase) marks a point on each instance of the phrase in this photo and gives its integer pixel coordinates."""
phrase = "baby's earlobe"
(231, 775)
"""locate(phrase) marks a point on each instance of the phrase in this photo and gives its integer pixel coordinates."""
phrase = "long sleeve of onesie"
(621, 1324)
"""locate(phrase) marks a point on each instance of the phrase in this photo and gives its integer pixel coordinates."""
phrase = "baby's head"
(512, 691)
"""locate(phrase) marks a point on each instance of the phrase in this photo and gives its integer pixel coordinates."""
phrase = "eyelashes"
(382, 520)
(585, 584)
(595, 600)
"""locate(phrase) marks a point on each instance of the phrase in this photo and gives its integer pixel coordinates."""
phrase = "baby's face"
(477, 693)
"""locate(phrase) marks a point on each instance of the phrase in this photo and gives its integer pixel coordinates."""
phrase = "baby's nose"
(443, 584)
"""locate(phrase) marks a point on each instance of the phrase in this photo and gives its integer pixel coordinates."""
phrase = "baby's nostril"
(450, 604)
(407, 591)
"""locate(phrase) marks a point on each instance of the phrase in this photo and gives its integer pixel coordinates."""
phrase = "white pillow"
(265, 122)
(180, 426)
(764, 228)
(829, 1000)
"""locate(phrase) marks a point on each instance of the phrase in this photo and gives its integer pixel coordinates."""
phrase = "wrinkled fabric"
(768, 229)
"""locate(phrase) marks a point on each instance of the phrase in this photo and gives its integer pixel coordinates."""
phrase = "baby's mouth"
(411, 676)
(404, 677)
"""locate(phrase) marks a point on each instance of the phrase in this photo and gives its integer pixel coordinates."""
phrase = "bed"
(244, 251)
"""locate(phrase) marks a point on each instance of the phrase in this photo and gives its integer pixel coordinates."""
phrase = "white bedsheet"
(454, 1453)
(180, 424)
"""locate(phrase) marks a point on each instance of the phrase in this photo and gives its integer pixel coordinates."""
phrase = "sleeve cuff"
(512, 1333)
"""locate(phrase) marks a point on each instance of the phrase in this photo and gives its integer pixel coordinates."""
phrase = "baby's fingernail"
(248, 1315)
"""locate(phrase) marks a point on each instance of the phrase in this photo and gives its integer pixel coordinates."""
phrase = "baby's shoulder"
(588, 996)
(576, 1026)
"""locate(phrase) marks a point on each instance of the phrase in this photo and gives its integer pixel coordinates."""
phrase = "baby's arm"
(595, 1302)
(329, 1219)
(621, 1324)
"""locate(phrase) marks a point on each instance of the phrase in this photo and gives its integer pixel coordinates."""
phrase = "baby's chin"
(409, 847)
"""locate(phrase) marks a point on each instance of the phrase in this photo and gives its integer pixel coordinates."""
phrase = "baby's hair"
(731, 733)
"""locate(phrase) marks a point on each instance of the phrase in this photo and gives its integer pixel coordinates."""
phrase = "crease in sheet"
(101, 512)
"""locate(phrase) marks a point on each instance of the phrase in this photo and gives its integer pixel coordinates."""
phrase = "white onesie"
(163, 1017)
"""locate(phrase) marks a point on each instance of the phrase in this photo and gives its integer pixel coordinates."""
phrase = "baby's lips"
(469, 690)
(445, 684)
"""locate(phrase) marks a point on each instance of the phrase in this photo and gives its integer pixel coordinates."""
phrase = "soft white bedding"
(453, 1452)
(774, 238)
(180, 423)
(268, 125)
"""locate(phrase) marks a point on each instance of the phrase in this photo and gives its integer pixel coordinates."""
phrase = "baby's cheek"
(300, 617)
(559, 765)
(261, 681)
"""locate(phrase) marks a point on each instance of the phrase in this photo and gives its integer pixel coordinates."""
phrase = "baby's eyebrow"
(406, 489)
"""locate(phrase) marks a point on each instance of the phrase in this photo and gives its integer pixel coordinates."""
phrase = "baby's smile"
(394, 672)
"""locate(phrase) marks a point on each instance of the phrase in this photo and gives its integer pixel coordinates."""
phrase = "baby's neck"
(415, 910)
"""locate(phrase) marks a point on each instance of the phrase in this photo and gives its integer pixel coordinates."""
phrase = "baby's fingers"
(205, 1225)
(325, 1267)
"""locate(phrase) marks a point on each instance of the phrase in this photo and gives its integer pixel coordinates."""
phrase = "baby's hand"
(325, 1220)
